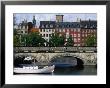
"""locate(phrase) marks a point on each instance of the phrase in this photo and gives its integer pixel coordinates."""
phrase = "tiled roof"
(47, 24)
(67, 25)
(89, 24)
(82, 24)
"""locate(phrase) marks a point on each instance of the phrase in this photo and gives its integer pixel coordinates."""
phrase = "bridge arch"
(67, 58)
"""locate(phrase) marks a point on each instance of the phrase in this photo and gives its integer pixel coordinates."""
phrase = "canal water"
(86, 70)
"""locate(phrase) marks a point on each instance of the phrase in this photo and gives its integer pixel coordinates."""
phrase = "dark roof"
(90, 24)
(47, 24)
(67, 25)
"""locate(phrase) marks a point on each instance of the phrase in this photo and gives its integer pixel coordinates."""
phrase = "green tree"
(16, 40)
(61, 40)
(15, 32)
(34, 39)
(91, 41)
(23, 40)
(56, 40)
(70, 41)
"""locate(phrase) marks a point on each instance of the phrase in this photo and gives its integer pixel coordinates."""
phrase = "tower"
(59, 18)
(30, 25)
(34, 21)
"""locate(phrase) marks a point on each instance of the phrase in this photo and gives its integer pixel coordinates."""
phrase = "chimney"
(59, 18)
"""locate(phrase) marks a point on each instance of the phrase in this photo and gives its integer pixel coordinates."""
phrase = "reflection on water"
(86, 70)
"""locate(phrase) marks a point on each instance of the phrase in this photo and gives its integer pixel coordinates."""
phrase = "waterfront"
(86, 70)
(64, 65)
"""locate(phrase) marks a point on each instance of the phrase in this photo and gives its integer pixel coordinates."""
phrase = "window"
(67, 30)
(51, 25)
(21, 31)
(59, 30)
(75, 44)
(57, 26)
(75, 39)
(82, 35)
(74, 35)
(78, 39)
(78, 30)
(49, 35)
(78, 44)
(25, 31)
(42, 26)
(63, 30)
(49, 30)
(40, 30)
(52, 30)
(46, 35)
(60, 34)
(46, 30)
(82, 31)
(78, 35)
(47, 26)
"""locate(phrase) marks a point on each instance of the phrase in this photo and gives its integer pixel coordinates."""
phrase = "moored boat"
(34, 69)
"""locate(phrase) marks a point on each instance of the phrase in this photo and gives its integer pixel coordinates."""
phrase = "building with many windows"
(69, 29)
(79, 30)
(26, 27)
(88, 28)
(22, 28)
(46, 29)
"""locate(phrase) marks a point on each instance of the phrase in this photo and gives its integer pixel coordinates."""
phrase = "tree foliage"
(29, 40)
(69, 41)
(56, 40)
(16, 40)
(91, 41)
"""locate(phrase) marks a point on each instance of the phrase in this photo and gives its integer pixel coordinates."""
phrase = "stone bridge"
(87, 58)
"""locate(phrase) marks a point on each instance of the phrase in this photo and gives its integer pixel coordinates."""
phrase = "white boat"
(35, 69)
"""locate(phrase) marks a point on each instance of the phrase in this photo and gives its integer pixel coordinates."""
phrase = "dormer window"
(47, 26)
(69, 26)
(57, 26)
(42, 26)
(51, 26)
(85, 26)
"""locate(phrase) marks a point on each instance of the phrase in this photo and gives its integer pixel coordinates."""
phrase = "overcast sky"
(68, 17)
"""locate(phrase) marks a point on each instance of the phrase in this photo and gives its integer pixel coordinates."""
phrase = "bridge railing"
(55, 49)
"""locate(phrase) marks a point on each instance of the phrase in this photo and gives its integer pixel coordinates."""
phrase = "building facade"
(88, 29)
(79, 30)
(46, 29)
(69, 29)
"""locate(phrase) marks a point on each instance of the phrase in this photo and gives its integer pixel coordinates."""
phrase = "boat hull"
(49, 69)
